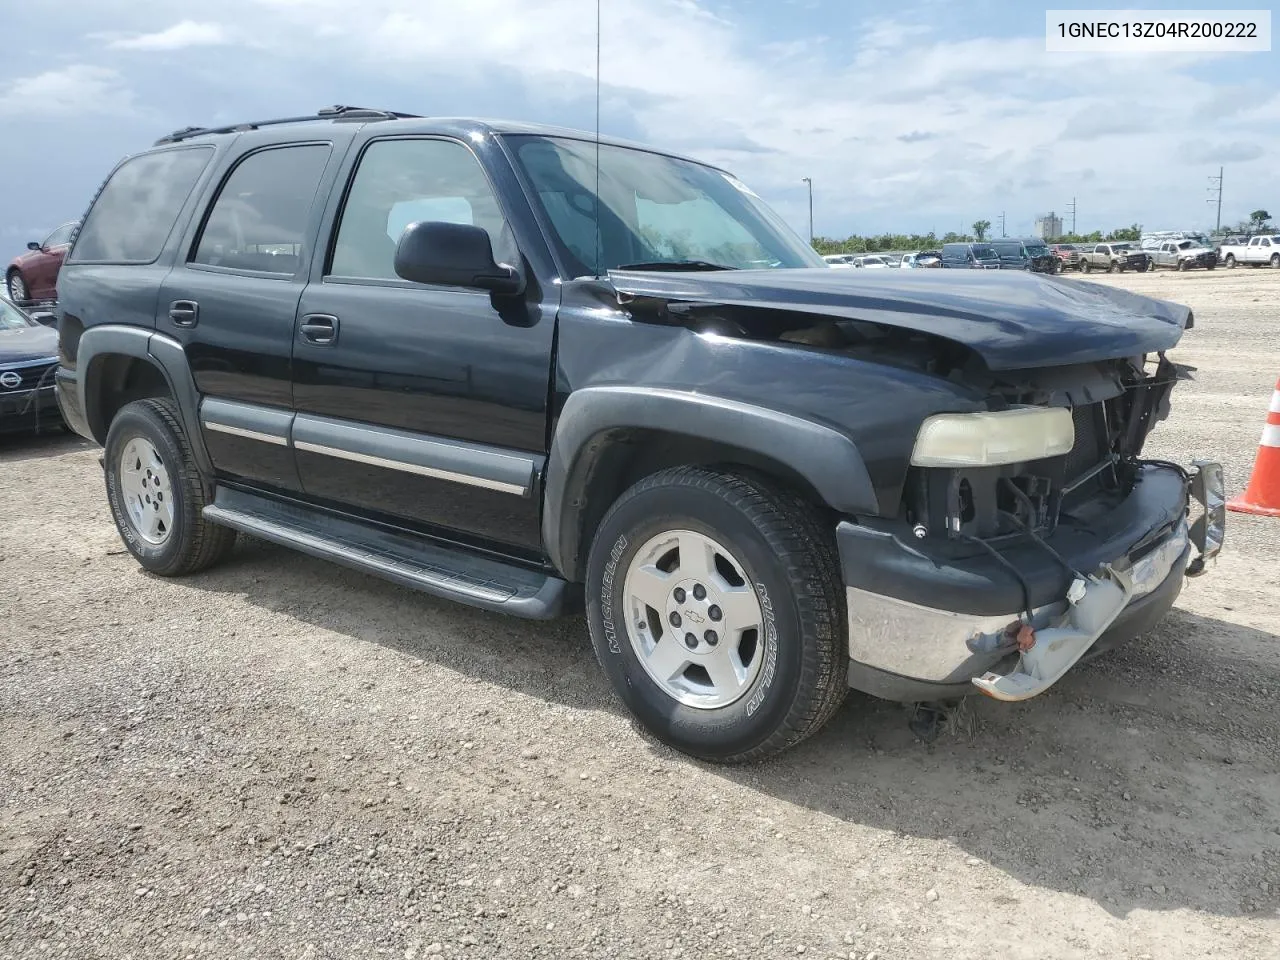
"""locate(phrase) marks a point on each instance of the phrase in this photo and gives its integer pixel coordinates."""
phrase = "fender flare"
(827, 459)
(162, 352)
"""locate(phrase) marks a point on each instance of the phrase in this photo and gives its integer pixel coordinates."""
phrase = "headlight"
(990, 439)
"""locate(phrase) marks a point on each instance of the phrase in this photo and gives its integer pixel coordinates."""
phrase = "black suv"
(1033, 255)
(468, 358)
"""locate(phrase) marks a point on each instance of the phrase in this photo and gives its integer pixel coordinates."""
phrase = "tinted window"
(955, 250)
(138, 206)
(984, 252)
(259, 219)
(1008, 249)
(400, 182)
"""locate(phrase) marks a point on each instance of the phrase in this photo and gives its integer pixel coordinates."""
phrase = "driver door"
(419, 403)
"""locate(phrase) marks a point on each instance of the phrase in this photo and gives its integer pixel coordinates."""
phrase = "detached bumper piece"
(1053, 651)
(934, 619)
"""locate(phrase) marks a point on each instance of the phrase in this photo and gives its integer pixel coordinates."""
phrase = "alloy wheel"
(694, 620)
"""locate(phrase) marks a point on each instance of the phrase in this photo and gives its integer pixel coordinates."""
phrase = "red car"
(34, 274)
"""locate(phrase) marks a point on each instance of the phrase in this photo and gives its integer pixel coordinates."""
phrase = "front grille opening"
(967, 510)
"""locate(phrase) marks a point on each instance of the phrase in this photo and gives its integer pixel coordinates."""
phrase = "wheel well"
(115, 380)
(617, 459)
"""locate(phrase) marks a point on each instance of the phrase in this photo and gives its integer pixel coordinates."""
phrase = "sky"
(907, 116)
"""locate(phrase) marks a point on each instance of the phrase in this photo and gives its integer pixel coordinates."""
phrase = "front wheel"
(715, 608)
(1184, 265)
(156, 493)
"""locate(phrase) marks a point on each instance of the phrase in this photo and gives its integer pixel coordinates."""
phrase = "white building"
(1048, 227)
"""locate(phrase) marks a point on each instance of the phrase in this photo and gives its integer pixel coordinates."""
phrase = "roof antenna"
(599, 245)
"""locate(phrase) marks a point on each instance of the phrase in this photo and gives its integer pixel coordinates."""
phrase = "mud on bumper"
(927, 622)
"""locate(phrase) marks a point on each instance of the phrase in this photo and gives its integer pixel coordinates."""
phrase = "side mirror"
(454, 255)
(34, 245)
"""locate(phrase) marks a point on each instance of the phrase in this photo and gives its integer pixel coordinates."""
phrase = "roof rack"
(334, 113)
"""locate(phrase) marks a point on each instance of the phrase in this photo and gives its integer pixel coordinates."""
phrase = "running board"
(400, 557)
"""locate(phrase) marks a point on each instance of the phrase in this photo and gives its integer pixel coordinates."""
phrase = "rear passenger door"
(231, 300)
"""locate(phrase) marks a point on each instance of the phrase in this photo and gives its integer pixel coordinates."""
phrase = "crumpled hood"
(1012, 319)
(27, 343)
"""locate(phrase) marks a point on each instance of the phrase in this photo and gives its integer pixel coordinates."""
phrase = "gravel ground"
(281, 758)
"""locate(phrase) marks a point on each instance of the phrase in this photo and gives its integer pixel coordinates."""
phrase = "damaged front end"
(1025, 530)
(1080, 550)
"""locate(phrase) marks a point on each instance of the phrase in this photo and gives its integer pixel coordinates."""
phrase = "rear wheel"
(1275, 261)
(716, 611)
(1231, 261)
(156, 493)
(1084, 266)
(17, 286)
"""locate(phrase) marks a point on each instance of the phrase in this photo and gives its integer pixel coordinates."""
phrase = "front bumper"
(28, 411)
(927, 622)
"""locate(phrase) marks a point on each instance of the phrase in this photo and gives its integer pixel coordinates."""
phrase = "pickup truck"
(1257, 252)
(1113, 257)
(1183, 255)
(536, 371)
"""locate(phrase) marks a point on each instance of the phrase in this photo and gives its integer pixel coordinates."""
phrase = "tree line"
(931, 241)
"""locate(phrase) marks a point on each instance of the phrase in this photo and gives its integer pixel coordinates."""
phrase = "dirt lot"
(284, 759)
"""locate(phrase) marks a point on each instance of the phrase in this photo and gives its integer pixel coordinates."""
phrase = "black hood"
(1012, 319)
(27, 343)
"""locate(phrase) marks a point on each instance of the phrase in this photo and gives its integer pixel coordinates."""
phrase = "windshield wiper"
(674, 265)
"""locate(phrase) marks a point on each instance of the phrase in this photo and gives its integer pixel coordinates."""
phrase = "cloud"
(187, 33)
(1236, 151)
(76, 89)
(901, 120)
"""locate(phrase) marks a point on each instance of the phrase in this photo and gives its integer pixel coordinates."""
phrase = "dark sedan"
(28, 359)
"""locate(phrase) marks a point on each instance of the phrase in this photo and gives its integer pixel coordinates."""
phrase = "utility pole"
(809, 181)
(1072, 207)
(1218, 199)
(1002, 233)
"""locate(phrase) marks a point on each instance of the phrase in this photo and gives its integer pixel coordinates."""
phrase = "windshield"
(653, 209)
(984, 252)
(1116, 247)
(1184, 245)
(1036, 250)
(1008, 249)
(11, 318)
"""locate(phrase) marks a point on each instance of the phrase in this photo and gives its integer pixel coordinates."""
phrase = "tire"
(1084, 266)
(17, 287)
(1144, 266)
(1183, 265)
(785, 558)
(150, 433)
(1230, 261)
(1275, 261)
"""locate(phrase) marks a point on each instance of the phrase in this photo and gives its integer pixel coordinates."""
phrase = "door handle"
(320, 329)
(184, 313)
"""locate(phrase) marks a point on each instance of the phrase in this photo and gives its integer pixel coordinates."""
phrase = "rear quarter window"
(138, 206)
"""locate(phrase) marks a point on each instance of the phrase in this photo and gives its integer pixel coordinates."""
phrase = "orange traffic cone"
(1263, 495)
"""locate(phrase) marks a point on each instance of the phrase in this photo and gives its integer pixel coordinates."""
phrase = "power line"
(1218, 199)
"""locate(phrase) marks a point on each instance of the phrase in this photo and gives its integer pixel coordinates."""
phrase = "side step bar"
(456, 575)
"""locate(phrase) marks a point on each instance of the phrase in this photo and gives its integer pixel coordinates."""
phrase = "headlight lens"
(991, 438)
